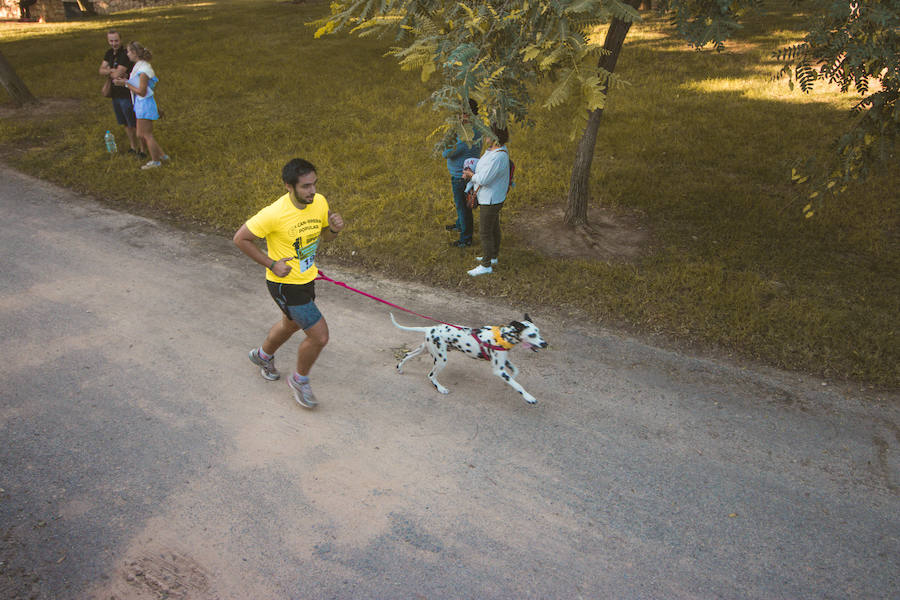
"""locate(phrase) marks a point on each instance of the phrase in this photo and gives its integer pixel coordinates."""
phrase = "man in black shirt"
(116, 64)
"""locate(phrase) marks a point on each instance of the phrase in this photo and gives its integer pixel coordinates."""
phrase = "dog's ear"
(517, 326)
(527, 318)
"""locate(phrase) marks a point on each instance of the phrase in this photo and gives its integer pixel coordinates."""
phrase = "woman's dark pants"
(489, 232)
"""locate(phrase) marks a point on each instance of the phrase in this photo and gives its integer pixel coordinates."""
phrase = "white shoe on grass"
(480, 270)
(493, 260)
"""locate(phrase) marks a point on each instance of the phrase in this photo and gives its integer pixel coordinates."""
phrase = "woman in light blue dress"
(142, 83)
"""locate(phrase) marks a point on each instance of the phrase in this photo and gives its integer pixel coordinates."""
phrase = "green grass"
(701, 144)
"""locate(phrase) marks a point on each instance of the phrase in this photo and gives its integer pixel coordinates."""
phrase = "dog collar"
(499, 339)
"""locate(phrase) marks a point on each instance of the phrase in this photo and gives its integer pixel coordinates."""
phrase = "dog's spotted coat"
(440, 339)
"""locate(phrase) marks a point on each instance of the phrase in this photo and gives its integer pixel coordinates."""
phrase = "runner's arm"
(335, 225)
(246, 242)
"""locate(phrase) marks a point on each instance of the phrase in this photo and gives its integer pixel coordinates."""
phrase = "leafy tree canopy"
(491, 51)
(855, 45)
(494, 51)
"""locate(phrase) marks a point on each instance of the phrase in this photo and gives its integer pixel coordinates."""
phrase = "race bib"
(306, 255)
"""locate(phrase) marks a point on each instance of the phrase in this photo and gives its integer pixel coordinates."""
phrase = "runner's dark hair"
(295, 169)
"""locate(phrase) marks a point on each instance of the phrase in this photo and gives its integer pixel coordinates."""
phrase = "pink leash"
(377, 299)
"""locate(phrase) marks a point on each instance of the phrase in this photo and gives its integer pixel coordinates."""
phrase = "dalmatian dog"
(486, 343)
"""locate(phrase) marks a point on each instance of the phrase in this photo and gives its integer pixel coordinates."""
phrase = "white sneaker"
(480, 270)
(266, 367)
(493, 260)
(151, 165)
(303, 393)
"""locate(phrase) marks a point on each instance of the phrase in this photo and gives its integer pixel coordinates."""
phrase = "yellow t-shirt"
(290, 231)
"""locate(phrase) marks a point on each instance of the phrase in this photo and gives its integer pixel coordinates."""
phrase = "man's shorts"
(297, 302)
(124, 112)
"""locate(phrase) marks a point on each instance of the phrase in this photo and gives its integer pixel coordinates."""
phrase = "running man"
(292, 226)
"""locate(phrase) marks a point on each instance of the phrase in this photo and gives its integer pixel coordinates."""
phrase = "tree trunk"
(579, 184)
(14, 85)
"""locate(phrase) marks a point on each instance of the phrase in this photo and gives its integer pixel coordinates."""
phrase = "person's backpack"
(512, 172)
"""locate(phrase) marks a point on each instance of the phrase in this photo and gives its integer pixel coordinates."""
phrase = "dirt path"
(145, 458)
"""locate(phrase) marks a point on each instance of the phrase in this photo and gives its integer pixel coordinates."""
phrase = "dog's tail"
(407, 328)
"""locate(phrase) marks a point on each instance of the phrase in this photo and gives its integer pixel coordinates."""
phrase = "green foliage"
(707, 22)
(495, 52)
(854, 46)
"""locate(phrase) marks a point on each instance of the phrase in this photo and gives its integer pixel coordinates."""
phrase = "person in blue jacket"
(455, 157)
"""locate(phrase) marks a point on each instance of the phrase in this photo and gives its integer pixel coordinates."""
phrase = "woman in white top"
(141, 83)
(491, 180)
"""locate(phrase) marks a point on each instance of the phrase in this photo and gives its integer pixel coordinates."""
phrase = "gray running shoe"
(266, 367)
(303, 393)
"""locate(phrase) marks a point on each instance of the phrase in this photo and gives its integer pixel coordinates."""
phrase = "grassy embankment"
(701, 145)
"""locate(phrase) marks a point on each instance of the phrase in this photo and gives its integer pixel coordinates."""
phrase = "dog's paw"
(529, 398)
(440, 388)
(399, 369)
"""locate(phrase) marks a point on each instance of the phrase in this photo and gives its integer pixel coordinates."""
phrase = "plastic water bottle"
(110, 140)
